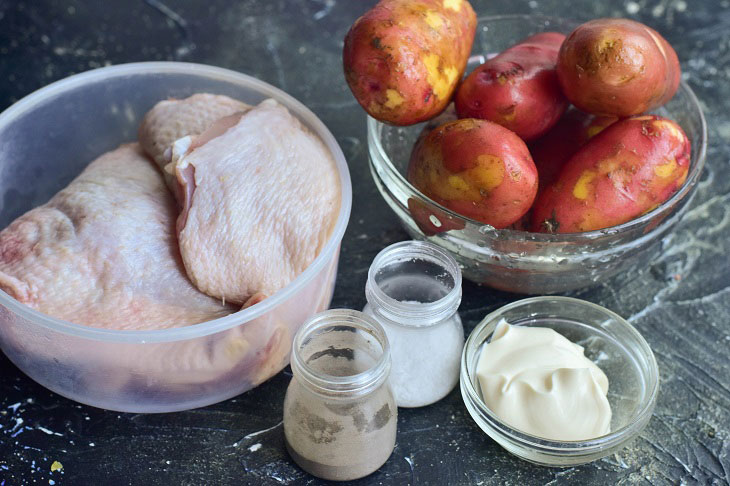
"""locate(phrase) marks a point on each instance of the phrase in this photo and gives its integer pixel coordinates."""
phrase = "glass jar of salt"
(414, 290)
(339, 412)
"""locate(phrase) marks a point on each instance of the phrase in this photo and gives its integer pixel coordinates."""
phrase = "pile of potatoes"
(511, 151)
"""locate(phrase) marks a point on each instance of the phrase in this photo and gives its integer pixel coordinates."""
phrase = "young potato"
(404, 58)
(626, 170)
(617, 67)
(551, 151)
(476, 168)
(518, 88)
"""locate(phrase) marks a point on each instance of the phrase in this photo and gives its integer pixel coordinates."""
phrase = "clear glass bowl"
(518, 261)
(609, 341)
(49, 137)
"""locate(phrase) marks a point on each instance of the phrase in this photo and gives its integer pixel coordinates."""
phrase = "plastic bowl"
(609, 341)
(518, 261)
(47, 139)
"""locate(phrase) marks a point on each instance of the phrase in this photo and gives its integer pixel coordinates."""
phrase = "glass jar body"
(340, 415)
(414, 291)
(342, 438)
(426, 360)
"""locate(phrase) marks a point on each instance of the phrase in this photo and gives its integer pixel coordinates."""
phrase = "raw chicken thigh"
(103, 252)
(259, 195)
(172, 119)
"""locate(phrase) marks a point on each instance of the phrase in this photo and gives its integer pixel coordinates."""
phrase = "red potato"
(404, 58)
(556, 147)
(518, 88)
(617, 67)
(476, 168)
(626, 170)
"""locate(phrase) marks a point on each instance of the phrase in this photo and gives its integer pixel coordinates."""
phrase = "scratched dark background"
(680, 302)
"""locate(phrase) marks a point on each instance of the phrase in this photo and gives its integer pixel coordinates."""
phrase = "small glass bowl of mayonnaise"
(608, 340)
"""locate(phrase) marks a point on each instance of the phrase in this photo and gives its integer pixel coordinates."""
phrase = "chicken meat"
(172, 119)
(103, 251)
(259, 195)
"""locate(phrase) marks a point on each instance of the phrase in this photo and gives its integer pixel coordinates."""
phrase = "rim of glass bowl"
(237, 318)
(374, 128)
(579, 447)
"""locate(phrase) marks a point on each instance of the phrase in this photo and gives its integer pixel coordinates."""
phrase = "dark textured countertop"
(680, 302)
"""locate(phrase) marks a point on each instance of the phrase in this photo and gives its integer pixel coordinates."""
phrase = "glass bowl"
(49, 137)
(519, 261)
(609, 341)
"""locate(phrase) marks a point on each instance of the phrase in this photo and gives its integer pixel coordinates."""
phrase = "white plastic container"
(46, 139)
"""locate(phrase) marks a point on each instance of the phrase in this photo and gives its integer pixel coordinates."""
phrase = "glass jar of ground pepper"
(339, 412)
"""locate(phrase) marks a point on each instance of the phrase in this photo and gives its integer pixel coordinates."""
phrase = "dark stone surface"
(680, 302)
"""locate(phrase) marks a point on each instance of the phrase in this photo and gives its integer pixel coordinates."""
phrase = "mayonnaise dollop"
(539, 382)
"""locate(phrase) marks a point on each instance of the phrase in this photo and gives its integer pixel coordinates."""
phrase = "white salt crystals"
(413, 291)
(425, 360)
